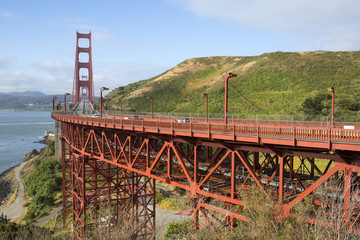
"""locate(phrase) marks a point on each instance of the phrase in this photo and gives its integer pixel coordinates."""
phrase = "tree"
(317, 105)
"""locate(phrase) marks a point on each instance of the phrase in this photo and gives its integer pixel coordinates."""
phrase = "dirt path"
(16, 210)
(42, 221)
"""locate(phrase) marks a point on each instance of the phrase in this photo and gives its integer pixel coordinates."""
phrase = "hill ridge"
(274, 83)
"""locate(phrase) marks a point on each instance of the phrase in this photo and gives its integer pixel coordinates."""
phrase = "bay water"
(20, 132)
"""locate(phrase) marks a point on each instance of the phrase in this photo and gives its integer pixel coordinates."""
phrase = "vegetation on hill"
(279, 83)
(13, 231)
(43, 184)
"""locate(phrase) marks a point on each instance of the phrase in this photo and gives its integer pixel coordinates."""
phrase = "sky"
(139, 39)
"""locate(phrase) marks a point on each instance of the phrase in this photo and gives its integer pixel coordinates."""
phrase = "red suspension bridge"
(115, 160)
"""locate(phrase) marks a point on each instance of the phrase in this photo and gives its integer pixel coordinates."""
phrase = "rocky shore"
(47, 137)
(7, 187)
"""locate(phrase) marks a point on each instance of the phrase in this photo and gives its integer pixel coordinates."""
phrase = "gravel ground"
(164, 217)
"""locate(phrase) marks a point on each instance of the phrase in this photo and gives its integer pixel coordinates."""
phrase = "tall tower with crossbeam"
(83, 87)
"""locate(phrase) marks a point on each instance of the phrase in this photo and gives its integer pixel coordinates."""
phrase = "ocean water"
(19, 130)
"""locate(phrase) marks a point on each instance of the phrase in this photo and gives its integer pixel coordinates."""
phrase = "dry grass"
(333, 219)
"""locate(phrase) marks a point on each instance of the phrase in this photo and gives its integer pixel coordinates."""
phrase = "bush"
(180, 191)
(42, 185)
(159, 197)
(178, 230)
(51, 146)
(12, 231)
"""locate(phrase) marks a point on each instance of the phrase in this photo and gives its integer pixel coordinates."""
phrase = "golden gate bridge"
(114, 159)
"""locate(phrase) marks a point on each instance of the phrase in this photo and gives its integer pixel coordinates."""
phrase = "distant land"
(26, 94)
(278, 83)
(29, 100)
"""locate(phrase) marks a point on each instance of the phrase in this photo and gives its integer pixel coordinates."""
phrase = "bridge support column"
(67, 179)
(58, 144)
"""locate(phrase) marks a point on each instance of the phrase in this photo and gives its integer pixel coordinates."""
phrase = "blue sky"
(139, 39)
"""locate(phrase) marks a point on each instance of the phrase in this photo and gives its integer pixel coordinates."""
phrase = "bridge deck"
(296, 136)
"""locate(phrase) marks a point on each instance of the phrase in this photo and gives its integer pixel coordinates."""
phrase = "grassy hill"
(279, 83)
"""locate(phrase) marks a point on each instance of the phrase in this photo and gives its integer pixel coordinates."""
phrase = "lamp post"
(101, 90)
(66, 94)
(227, 76)
(151, 99)
(206, 106)
(332, 105)
(54, 98)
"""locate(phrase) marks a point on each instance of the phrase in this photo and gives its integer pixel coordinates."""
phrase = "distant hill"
(30, 101)
(278, 83)
(8, 101)
(27, 94)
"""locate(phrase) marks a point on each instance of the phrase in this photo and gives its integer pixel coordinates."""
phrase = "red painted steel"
(103, 194)
(83, 84)
(217, 162)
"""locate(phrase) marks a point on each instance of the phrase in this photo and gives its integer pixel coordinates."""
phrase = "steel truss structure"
(103, 164)
(104, 196)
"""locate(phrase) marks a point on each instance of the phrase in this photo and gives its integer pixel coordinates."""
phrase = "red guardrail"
(315, 133)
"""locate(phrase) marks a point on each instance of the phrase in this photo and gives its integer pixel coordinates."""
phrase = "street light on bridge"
(66, 94)
(54, 98)
(227, 76)
(151, 99)
(206, 105)
(101, 90)
(332, 105)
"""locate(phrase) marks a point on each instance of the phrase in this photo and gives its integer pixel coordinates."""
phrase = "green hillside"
(280, 83)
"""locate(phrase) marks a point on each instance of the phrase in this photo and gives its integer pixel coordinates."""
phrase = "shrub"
(179, 230)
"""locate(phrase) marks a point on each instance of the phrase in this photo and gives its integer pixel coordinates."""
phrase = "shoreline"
(5, 177)
(3, 174)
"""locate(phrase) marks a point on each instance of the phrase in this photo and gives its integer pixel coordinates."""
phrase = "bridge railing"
(315, 133)
(254, 120)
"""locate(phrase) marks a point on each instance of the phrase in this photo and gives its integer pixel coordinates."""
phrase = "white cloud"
(328, 21)
(97, 33)
(54, 77)
(7, 62)
(52, 66)
(7, 14)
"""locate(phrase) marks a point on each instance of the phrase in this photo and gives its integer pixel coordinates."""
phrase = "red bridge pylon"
(83, 75)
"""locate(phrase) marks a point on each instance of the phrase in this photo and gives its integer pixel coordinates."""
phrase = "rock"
(30, 155)
(6, 187)
(47, 137)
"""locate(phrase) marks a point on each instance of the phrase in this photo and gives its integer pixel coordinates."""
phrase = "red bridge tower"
(83, 75)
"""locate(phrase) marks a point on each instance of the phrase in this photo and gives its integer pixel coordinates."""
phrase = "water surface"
(19, 130)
